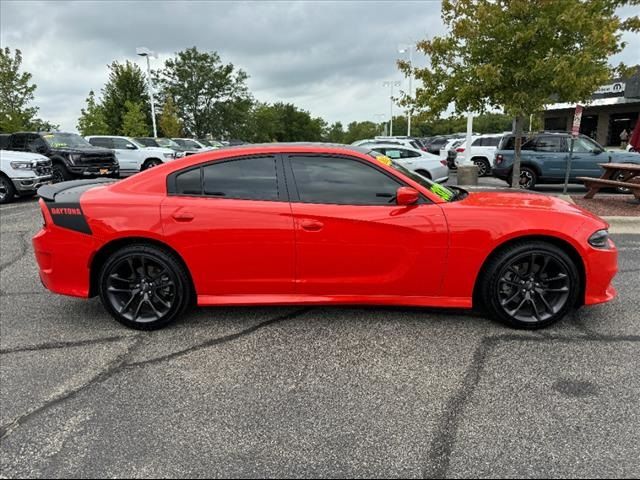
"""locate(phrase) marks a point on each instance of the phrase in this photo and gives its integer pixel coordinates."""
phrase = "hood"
(625, 157)
(160, 149)
(524, 201)
(87, 149)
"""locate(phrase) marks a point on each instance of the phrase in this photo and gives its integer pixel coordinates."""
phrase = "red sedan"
(316, 224)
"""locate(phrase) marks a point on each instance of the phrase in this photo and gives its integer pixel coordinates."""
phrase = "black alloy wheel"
(531, 285)
(483, 167)
(144, 287)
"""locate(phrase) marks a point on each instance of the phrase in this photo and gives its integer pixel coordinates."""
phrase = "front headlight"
(599, 239)
(74, 157)
(23, 165)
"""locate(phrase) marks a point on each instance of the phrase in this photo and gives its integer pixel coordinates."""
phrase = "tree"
(134, 121)
(335, 133)
(16, 93)
(91, 121)
(169, 122)
(126, 84)
(361, 131)
(211, 97)
(519, 55)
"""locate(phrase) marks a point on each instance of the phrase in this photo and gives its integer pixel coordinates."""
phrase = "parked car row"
(69, 156)
(544, 155)
(411, 154)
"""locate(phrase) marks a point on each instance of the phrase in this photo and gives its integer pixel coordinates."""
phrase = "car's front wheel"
(7, 190)
(59, 174)
(144, 287)
(530, 285)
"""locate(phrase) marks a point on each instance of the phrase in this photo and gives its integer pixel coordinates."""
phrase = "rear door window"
(549, 144)
(248, 179)
(101, 142)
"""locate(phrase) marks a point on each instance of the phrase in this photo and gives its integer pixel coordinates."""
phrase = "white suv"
(483, 149)
(22, 173)
(132, 156)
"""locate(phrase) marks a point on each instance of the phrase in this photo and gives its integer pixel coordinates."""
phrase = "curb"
(623, 224)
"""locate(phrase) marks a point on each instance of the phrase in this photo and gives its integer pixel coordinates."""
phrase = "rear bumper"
(63, 258)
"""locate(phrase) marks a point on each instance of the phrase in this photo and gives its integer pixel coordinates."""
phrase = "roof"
(294, 145)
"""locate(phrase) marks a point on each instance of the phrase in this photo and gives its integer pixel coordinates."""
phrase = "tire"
(484, 167)
(60, 173)
(619, 176)
(7, 190)
(528, 178)
(128, 287)
(150, 163)
(510, 296)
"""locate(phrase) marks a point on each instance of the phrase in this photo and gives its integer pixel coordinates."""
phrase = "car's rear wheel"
(484, 168)
(530, 285)
(144, 287)
(7, 190)
(528, 178)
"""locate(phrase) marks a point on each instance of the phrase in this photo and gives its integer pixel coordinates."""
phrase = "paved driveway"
(333, 392)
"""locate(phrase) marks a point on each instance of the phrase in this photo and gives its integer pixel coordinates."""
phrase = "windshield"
(167, 142)
(185, 142)
(147, 142)
(65, 140)
(440, 190)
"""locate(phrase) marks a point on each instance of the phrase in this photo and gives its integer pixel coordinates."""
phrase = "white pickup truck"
(22, 174)
(132, 156)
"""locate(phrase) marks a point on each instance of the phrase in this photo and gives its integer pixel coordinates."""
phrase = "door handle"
(311, 225)
(183, 216)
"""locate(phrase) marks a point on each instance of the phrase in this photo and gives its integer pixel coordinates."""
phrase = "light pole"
(380, 117)
(405, 49)
(391, 84)
(145, 52)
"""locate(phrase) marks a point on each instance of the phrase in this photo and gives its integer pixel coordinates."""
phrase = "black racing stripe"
(69, 215)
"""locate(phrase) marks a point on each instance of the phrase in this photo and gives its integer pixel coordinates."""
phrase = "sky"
(329, 58)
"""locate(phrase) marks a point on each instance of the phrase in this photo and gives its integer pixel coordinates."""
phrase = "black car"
(71, 155)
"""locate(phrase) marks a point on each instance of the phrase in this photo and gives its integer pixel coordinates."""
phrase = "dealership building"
(613, 108)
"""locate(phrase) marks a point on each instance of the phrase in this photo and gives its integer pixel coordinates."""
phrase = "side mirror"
(131, 146)
(407, 196)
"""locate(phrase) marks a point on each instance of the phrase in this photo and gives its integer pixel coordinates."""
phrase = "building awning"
(600, 102)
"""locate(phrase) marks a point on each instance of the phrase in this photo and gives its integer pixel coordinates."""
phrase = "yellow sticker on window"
(384, 159)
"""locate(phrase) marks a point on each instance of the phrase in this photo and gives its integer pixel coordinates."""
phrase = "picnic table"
(618, 175)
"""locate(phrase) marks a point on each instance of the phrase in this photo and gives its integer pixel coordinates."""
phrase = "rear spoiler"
(48, 192)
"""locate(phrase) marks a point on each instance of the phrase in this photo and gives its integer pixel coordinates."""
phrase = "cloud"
(327, 57)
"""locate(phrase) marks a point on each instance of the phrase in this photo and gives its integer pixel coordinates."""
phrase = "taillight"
(499, 159)
(459, 150)
(43, 211)
(443, 162)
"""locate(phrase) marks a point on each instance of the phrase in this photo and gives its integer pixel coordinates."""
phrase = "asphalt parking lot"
(300, 392)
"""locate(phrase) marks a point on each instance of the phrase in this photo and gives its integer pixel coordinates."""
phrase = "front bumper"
(95, 171)
(27, 185)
